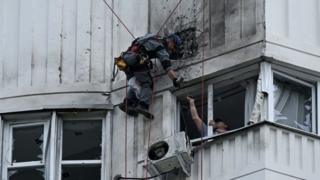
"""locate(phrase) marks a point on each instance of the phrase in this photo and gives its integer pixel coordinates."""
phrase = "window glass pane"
(81, 173)
(82, 140)
(229, 105)
(26, 174)
(293, 104)
(27, 144)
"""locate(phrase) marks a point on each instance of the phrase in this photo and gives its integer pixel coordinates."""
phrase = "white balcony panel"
(265, 150)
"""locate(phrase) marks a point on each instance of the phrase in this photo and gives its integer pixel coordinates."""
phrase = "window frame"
(51, 163)
(223, 79)
(80, 163)
(307, 84)
(297, 75)
(8, 127)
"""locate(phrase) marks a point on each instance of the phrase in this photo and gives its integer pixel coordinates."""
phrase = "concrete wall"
(231, 41)
(229, 33)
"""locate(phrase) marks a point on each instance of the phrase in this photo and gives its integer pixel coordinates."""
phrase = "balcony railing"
(263, 151)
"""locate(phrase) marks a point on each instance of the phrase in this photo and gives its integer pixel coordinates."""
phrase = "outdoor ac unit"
(170, 153)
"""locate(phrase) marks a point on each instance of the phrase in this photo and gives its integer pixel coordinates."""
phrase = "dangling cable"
(114, 73)
(153, 90)
(113, 12)
(202, 99)
(150, 123)
(126, 128)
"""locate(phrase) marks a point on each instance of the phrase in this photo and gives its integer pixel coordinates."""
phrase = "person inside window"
(219, 126)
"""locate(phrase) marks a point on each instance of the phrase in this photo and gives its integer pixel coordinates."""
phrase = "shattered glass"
(293, 104)
(26, 174)
(81, 173)
(27, 144)
(82, 140)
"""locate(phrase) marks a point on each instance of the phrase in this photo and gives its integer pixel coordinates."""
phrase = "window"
(81, 149)
(294, 102)
(292, 96)
(229, 104)
(229, 98)
(25, 147)
(57, 146)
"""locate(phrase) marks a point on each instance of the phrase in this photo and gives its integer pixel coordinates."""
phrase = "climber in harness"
(136, 63)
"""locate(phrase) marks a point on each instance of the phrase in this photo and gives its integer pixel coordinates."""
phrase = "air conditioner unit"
(170, 153)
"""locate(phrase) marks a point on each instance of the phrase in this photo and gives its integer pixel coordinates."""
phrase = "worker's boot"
(129, 108)
(143, 109)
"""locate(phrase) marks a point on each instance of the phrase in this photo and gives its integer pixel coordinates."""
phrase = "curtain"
(250, 98)
(292, 105)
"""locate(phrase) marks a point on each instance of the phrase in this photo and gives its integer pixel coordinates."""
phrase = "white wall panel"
(25, 48)
(229, 157)
(10, 49)
(47, 44)
(294, 23)
(55, 36)
(2, 42)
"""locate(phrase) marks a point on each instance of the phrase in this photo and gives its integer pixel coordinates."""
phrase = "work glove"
(177, 82)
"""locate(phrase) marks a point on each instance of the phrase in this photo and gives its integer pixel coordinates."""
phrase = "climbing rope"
(126, 134)
(154, 85)
(150, 123)
(202, 98)
(126, 89)
(114, 13)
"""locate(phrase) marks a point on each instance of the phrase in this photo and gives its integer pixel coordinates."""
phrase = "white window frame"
(52, 126)
(8, 127)
(304, 83)
(81, 163)
(221, 80)
(300, 76)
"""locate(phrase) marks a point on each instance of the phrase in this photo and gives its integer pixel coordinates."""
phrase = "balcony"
(264, 151)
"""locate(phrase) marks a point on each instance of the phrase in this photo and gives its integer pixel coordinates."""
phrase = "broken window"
(24, 150)
(27, 144)
(294, 102)
(26, 173)
(81, 149)
(74, 152)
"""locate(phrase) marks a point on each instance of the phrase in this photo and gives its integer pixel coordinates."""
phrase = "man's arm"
(195, 116)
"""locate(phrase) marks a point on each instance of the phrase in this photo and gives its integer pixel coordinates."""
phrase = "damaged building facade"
(257, 61)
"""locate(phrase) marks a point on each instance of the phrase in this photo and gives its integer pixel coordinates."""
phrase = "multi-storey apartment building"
(257, 60)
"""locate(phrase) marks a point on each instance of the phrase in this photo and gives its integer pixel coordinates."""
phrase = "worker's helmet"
(176, 39)
(178, 50)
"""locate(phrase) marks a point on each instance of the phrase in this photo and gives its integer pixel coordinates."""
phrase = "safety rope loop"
(124, 25)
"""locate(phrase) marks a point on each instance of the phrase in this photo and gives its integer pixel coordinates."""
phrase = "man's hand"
(190, 99)
(212, 123)
(177, 82)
